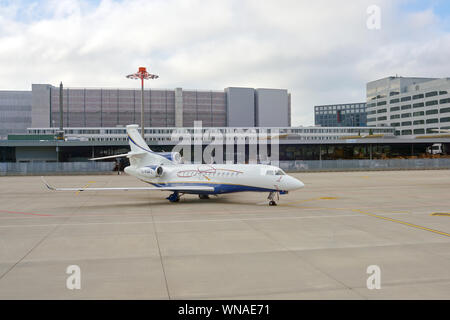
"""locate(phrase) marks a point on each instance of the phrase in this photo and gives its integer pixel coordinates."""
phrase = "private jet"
(165, 171)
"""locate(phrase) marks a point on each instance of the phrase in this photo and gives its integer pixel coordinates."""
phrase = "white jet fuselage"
(224, 178)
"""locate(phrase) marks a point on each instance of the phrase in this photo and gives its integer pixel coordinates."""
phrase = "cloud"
(320, 51)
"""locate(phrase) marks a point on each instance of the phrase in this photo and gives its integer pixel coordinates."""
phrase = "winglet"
(45, 182)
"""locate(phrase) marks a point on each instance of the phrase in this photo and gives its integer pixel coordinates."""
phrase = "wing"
(181, 188)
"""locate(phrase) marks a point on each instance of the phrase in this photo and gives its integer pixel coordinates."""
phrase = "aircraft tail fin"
(137, 143)
(141, 154)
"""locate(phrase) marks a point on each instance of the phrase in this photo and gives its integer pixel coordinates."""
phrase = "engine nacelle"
(172, 156)
(152, 171)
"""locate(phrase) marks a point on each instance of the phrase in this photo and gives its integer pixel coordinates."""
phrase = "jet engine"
(152, 171)
(172, 156)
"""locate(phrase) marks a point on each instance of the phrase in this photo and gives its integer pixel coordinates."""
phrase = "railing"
(37, 168)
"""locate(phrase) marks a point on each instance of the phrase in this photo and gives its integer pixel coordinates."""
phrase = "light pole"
(143, 75)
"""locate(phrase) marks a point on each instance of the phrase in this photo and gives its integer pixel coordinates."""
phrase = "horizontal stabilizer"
(177, 188)
(129, 154)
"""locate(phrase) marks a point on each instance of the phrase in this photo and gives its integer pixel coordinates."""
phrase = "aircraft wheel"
(174, 197)
(272, 203)
(203, 196)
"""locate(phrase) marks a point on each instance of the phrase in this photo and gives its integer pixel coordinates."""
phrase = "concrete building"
(341, 115)
(272, 108)
(414, 106)
(247, 107)
(107, 107)
(241, 107)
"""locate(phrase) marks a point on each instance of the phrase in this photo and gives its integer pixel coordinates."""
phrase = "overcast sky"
(321, 51)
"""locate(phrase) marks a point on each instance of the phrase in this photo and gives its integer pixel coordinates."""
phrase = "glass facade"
(351, 151)
(342, 115)
(287, 152)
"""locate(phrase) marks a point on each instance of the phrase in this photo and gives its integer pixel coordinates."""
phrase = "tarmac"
(316, 244)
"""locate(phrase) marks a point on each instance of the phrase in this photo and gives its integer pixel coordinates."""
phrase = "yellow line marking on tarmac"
(444, 214)
(306, 200)
(89, 182)
(402, 222)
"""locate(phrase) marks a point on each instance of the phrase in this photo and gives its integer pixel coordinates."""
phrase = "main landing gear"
(271, 198)
(174, 197)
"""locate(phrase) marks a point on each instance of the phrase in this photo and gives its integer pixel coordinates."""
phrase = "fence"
(344, 165)
(36, 168)
(31, 168)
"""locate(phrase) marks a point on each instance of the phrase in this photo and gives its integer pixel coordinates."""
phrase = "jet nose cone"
(295, 184)
(299, 184)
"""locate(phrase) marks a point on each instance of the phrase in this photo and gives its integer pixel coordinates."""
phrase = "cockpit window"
(280, 173)
(269, 172)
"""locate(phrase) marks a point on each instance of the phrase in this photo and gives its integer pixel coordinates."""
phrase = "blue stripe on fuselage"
(218, 188)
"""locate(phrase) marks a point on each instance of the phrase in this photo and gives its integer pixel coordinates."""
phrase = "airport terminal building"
(295, 143)
(94, 121)
(414, 106)
(108, 107)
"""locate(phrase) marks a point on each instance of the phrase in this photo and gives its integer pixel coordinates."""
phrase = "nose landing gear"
(271, 198)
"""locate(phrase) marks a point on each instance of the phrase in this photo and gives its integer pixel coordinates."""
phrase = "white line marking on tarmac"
(192, 221)
(283, 210)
